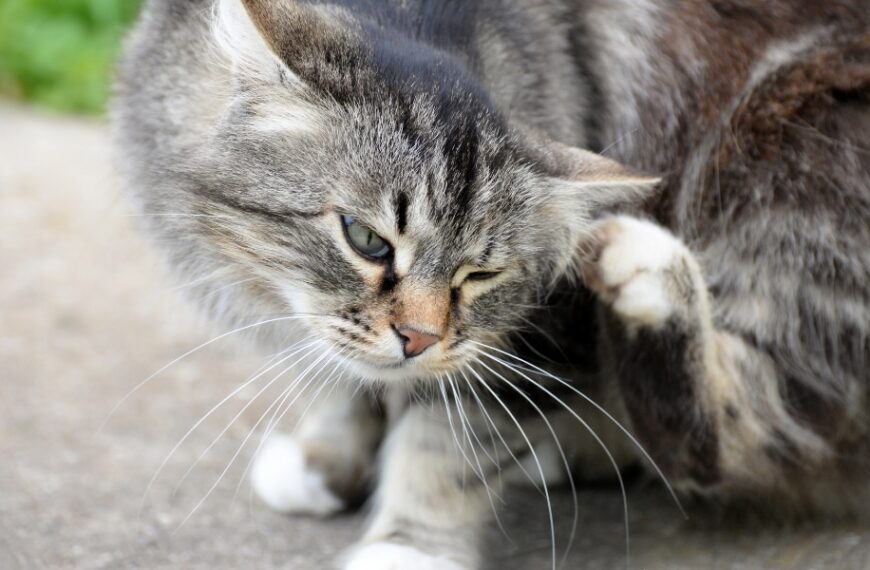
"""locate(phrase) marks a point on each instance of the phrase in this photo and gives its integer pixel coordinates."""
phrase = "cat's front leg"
(659, 341)
(326, 465)
(431, 505)
(718, 414)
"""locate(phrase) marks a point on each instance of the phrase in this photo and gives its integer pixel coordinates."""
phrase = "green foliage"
(60, 53)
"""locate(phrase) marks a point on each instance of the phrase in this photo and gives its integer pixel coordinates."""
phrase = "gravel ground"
(86, 312)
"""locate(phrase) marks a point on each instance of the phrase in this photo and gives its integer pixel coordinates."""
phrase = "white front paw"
(283, 480)
(390, 556)
(631, 267)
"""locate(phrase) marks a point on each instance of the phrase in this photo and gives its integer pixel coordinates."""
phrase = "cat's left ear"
(591, 182)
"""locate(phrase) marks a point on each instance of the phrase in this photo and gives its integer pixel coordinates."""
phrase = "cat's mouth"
(389, 371)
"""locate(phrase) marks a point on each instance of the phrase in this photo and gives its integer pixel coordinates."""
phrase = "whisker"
(233, 459)
(226, 286)
(490, 426)
(460, 447)
(139, 386)
(561, 454)
(464, 415)
(242, 411)
(499, 434)
(282, 409)
(273, 423)
(463, 418)
(607, 414)
(189, 432)
(534, 456)
(265, 436)
(200, 279)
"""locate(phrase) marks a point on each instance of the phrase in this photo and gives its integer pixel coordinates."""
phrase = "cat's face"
(404, 248)
(405, 220)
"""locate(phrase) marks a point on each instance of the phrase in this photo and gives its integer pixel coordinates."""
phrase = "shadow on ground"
(86, 313)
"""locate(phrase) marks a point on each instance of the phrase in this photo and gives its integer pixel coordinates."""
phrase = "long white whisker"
(273, 424)
(257, 375)
(231, 462)
(607, 414)
(463, 418)
(284, 406)
(467, 429)
(560, 449)
(217, 290)
(311, 349)
(162, 369)
(490, 426)
(459, 446)
(499, 434)
(464, 415)
(534, 456)
(200, 279)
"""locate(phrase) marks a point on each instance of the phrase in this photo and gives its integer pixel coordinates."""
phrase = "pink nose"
(415, 342)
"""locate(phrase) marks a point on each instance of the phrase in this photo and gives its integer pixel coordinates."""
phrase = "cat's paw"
(391, 556)
(286, 482)
(641, 270)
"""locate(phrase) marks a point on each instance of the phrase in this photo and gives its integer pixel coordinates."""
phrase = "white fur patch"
(285, 116)
(238, 39)
(644, 299)
(632, 263)
(389, 556)
(283, 480)
(636, 245)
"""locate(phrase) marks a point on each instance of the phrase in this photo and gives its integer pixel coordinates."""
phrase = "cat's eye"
(481, 275)
(364, 240)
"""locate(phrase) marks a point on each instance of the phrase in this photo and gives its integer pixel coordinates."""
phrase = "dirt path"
(86, 313)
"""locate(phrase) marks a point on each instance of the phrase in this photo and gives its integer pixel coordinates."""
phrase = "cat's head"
(369, 183)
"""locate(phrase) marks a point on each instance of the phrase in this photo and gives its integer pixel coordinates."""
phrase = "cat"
(539, 233)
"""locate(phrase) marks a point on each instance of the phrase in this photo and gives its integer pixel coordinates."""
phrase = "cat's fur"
(728, 323)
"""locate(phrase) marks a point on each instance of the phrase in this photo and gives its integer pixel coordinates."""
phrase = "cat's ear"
(592, 181)
(287, 40)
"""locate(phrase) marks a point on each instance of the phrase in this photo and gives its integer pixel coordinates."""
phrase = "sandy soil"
(86, 313)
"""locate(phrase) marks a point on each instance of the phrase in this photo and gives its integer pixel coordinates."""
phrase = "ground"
(87, 312)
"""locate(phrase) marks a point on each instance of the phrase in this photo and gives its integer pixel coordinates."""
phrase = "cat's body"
(736, 352)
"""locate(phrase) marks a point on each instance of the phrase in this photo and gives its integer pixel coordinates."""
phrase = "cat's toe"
(631, 265)
(390, 556)
(284, 480)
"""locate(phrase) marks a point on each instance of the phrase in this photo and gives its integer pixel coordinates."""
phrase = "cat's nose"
(414, 342)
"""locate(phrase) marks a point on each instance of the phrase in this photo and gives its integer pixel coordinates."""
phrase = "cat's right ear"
(271, 40)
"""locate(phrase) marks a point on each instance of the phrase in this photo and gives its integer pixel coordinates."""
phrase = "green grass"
(59, 54)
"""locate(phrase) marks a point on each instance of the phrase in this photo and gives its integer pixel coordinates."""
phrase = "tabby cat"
(538, 233)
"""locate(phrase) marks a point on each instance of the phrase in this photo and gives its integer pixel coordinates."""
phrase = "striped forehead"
(433, 234)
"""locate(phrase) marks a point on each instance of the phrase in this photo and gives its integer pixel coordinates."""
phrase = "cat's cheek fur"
(389, 556)
(634, 266)
(283, 479)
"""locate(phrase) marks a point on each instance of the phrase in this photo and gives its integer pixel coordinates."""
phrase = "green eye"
(366, 242)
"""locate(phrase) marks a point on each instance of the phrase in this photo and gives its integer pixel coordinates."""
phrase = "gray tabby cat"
(394, 193)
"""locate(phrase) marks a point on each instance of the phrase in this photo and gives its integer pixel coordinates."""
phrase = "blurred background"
(87, 312)
(58, 54)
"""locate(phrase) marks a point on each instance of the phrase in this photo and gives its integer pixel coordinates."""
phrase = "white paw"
(627, 268)
(389, 556)
(284, 481)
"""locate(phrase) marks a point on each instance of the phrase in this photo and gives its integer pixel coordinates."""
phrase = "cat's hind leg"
(327, 464)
